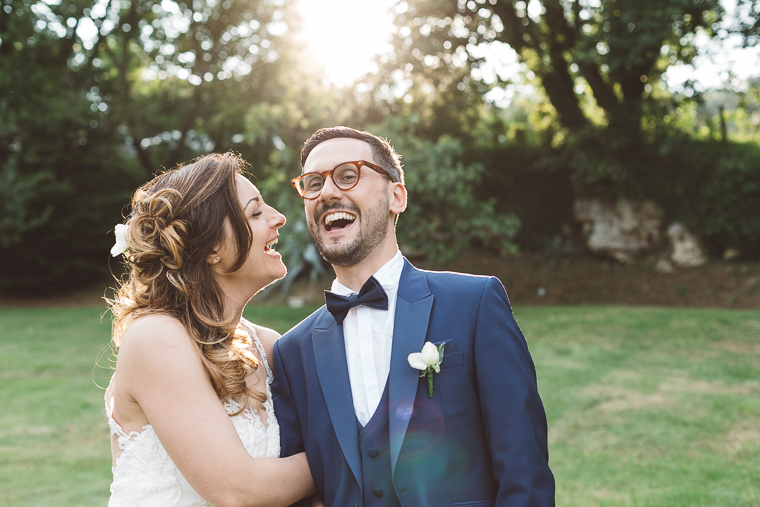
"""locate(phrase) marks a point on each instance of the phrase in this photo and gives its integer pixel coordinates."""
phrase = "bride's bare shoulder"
(154, 333)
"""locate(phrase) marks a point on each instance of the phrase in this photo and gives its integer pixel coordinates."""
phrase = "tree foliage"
(97, 95)
(596, 61)
(61, 167)
(609, 50)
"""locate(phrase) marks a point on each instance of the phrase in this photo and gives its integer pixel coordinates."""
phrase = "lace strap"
(268, 405)
(260, 348)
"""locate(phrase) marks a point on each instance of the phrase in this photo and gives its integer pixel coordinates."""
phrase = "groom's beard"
(371, 235)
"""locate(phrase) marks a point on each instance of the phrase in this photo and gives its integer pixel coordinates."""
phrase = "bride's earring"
(216, 258)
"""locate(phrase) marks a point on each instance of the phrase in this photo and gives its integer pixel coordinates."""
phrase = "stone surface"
(622, 230)
(686, 250)
(664, 266)
(731, 253)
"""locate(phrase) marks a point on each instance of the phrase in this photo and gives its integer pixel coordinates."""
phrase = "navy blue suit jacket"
(480, 441)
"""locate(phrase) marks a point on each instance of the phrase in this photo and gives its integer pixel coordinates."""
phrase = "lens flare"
(344, 35)
(404, 411)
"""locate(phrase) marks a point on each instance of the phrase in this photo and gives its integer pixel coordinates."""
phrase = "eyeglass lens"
(344, 176)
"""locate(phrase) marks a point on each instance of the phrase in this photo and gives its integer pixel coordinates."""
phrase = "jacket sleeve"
(513, 414)
(291, 440)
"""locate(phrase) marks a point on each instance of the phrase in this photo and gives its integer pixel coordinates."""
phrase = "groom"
(374, 431)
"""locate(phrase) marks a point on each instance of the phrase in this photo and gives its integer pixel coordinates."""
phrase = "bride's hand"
(317, 502)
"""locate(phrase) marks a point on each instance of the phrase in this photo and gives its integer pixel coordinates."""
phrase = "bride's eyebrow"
(249, 202)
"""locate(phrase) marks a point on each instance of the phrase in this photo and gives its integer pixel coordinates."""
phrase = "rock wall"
(622, 230)
(625, 230)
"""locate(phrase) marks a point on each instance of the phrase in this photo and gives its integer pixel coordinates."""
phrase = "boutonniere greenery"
(427, 361)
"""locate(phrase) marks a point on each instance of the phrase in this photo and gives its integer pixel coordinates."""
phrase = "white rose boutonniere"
(427, 361)
(121, 245)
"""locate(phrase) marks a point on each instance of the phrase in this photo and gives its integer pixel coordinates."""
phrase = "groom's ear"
(397, 198)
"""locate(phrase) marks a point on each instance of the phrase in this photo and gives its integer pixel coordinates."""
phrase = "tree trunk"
(723, 128)
(142, 156)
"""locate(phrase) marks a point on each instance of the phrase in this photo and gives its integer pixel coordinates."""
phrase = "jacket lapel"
(330, 357)
(413, 307)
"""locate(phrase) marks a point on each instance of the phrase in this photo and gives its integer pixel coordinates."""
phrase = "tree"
(95, 96)
(610, 49)
(179, 71)
(57, 193)
(596, 61)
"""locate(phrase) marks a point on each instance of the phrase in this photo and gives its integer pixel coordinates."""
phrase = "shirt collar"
(388, 275)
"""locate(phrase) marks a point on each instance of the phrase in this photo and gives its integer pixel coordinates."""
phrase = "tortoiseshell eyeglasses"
(345, 176)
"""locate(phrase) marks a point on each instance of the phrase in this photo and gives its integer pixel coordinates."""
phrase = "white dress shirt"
(368, 335)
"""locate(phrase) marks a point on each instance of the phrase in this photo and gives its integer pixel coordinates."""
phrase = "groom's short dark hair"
(384, 154)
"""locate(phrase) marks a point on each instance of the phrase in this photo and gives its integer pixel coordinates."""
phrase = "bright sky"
(719, 64)
(346, 34)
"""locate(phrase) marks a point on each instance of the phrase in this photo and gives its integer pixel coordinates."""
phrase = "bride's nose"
(277, 220)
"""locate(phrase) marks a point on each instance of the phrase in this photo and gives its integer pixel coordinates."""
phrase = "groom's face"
(347, 225)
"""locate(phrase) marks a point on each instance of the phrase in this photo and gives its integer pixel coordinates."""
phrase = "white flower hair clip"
(121, 245)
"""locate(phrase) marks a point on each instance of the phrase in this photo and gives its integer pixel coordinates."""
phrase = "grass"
(646, 407)
(651, 407)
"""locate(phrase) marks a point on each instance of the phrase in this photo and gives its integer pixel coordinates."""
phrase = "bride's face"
(263, 265)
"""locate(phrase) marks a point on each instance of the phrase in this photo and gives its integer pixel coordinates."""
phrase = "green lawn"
(646, 407)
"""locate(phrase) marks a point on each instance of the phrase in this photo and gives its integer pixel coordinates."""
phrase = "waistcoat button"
(372, 452)
(377, 492)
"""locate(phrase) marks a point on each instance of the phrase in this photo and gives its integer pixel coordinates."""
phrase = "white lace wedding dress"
(144, 474)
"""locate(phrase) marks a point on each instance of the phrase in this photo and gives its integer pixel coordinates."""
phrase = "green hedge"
(711, 187)
(714, 189)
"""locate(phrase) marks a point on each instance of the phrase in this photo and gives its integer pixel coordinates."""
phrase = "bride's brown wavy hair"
(177, 220)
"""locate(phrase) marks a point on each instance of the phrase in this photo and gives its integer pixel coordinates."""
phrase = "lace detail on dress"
(256, 432)
(145, 476)
(123, 437)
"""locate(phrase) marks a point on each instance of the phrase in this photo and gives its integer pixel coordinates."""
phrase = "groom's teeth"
(338, 216)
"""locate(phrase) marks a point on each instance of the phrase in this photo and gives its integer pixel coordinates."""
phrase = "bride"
(189, 404)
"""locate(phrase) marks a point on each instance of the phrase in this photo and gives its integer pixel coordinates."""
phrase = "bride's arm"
(161, 369)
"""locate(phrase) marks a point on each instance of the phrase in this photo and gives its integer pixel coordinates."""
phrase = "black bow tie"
(372, 295)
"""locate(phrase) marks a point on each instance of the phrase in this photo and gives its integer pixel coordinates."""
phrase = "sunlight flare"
(344, 35)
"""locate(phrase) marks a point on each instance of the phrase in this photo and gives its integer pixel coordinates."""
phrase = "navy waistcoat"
(374, 447)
